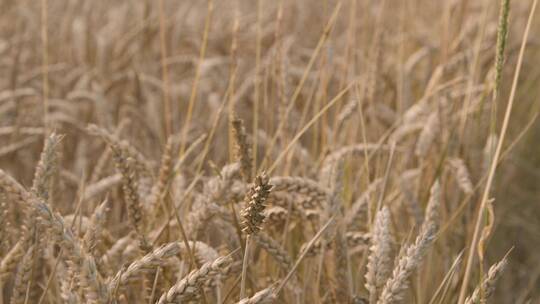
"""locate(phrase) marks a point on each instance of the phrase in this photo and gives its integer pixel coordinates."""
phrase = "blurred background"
(108, 60)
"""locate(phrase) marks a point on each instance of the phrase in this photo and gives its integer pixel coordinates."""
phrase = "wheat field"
(321, 151)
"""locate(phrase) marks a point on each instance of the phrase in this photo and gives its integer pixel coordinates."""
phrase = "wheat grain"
(188, 286)
(483, 292)
(379, 265)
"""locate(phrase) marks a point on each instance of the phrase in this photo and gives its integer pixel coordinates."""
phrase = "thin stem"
(164, 72)
(302, 255)
(51, 276)
(194, 87)
(154, 285)
(296, 94)
(45, 63)
(494, 161)
(257, 80)
(307, 126)
(244, 269)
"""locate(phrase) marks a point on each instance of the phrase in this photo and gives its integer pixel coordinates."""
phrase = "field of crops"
(237, 151)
